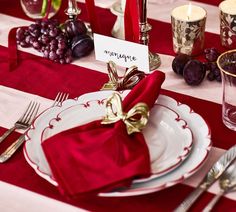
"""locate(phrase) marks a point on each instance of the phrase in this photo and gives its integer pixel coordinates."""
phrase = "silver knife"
(213, 174)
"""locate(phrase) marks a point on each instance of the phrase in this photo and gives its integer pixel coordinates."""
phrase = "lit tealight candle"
(188, 13)
(228, 6)
(188, 28)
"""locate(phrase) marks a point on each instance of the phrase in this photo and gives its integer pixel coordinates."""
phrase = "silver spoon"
(227, 183)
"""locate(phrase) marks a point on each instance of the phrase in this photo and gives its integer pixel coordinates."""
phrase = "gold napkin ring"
(135, 119)
(129, 80)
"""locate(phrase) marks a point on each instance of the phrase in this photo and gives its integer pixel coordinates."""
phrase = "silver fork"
(60, 98)
(23, 122)
(12, 149)
(14, 146)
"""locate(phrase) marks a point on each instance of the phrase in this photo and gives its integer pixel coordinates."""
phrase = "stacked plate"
(178, 139)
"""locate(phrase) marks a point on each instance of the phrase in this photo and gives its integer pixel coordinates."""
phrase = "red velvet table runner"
(42, 77)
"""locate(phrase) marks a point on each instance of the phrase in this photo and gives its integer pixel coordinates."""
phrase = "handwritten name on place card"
(123, 53)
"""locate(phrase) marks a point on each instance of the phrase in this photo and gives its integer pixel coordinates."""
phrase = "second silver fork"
(14, 146)
(23, 122)
(60, 97)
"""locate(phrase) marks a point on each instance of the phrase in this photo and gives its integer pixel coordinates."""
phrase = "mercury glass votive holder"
(228, 23)
(188, 29)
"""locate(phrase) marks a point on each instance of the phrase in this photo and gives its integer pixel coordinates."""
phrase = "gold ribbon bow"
(135, 119)
(129, 80)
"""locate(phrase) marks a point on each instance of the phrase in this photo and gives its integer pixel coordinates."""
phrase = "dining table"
(35, 78)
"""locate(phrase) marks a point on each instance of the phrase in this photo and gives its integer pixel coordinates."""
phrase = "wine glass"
(37, 9)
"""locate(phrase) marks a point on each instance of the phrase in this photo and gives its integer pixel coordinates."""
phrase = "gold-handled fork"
(22, 123)
(31, 114)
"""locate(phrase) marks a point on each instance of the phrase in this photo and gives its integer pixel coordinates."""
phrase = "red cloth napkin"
(95, 157)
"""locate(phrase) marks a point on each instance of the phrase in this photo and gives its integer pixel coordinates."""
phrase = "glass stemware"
(37, 9)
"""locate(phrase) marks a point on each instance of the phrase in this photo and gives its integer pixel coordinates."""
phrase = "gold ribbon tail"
(129, 80)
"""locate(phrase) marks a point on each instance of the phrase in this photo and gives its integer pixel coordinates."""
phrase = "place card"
(122, 53)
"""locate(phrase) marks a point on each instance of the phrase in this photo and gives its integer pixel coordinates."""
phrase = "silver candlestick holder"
(72, 11)
(144, 28)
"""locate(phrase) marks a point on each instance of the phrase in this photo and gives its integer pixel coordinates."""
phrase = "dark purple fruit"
(47, 37)
(81, 46)
(211, 76)
(74, 28)
(194, 72)
(218, 78)
(52, 55)
(24, 44)
(211, 54)
(179, 63)
(216, 72)
(20, 34)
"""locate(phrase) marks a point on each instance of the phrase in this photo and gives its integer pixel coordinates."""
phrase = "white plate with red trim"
(202, 144)
(164, 125)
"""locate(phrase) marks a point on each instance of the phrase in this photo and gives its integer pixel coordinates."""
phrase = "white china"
(158, 181)
(163, 126)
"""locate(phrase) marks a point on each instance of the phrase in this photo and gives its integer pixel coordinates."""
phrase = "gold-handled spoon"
(227, 183)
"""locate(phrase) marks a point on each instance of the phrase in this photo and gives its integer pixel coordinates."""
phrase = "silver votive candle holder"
(188, 29)
(228, 23)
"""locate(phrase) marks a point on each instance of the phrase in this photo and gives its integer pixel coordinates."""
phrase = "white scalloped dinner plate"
(163, 126)
(168, 138)
(201, 140)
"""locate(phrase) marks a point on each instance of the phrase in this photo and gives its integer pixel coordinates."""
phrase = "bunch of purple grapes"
(47, 37)
(211, 55)
(59, 44)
